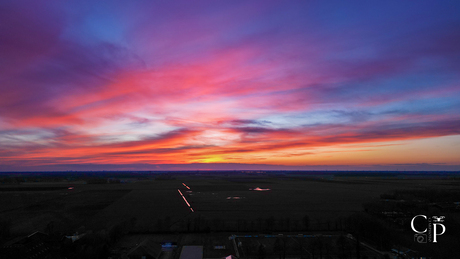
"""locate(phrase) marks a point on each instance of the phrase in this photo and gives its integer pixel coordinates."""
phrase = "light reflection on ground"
(259, 189)
(235, 198)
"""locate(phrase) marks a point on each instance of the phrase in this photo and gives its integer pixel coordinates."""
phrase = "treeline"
(386, 222)
(90, 177)
(425, 195)
(200, 224)
(373, 230)
(92, 245)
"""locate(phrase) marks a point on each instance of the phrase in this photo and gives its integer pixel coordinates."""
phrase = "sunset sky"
(160, 85)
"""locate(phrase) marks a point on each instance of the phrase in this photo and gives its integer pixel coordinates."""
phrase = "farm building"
(147, 249)
(35, 246)
(191, 252)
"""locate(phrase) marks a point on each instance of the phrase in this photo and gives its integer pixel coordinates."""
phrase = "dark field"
(321, 200)
(157, 206)
(117, 211)
(34, 210)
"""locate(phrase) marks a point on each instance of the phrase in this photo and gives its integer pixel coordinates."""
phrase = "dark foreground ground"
(332, 212)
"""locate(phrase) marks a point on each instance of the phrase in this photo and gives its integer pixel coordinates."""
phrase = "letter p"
(434, 231)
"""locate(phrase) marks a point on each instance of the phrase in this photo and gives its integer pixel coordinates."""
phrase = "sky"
(221, 85)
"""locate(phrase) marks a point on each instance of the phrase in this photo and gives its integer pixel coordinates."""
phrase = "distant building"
(34, 246)
(447, 206)
(147, 249)
(191, 252)
(75, 237)
(403, 252)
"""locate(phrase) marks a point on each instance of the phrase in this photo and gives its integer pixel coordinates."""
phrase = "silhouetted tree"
(197, 222)
(261, 251)
(358, 248)
(306, 222)
(260, 221)
(317, 244)
(5, 229)
(278, 247)
(269, 223)
(160, 225)
(189, 224)
(132, 223)
(288, 224)
(342, 247)
(167, 223)
(217, 223)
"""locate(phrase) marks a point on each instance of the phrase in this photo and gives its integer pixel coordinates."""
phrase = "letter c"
(412, 224)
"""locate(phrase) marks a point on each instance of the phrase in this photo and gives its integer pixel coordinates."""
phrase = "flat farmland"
(95, 206)
(321, 200)
(156, 204)
(149, 203)
(34, 210)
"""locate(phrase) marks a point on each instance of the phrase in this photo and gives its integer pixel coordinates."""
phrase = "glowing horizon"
(117, 84)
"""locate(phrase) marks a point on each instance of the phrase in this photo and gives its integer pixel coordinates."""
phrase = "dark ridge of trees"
(371, 229)
(196, 223)
(5, 230)
(245, 174)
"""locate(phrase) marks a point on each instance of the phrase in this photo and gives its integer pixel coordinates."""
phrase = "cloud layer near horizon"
(264, 82)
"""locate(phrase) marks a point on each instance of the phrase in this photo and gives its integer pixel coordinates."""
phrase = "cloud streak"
(247, 82)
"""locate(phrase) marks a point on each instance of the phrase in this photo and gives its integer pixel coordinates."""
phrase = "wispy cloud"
(180, 83)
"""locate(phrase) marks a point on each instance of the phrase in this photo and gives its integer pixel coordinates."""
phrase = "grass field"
(66, 209)
(321, 200)
(156, 203)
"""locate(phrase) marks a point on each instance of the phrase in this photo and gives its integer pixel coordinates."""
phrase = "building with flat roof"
(34, 246)
(147, 249)
(191, 252)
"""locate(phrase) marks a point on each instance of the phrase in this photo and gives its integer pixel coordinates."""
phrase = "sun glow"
(272, 87)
